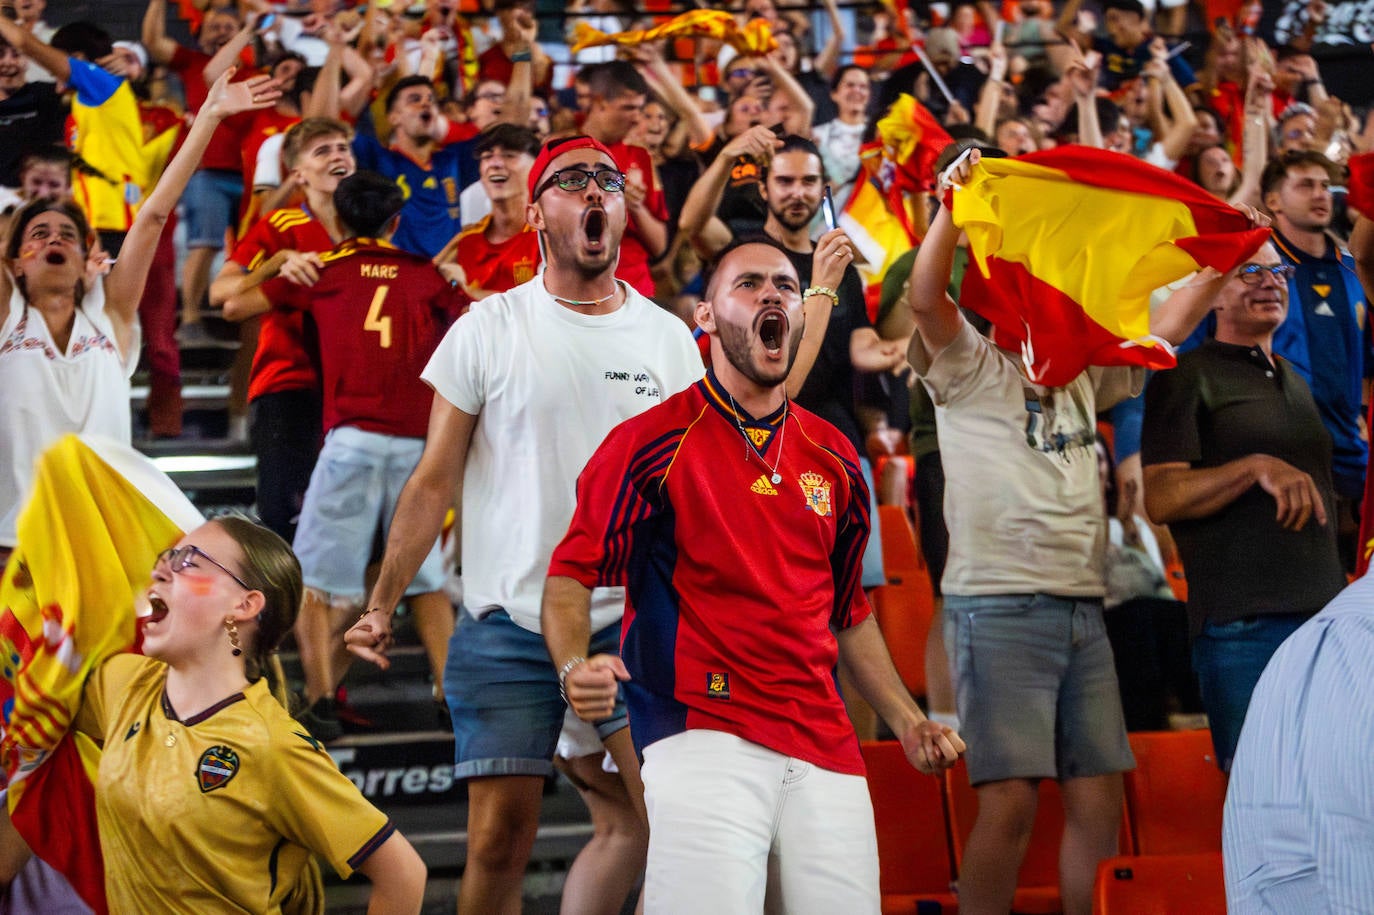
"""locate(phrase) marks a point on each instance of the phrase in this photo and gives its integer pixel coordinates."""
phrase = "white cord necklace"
(586, 303)
(776, 477)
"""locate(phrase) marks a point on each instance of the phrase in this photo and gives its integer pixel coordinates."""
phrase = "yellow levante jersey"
(220, 812)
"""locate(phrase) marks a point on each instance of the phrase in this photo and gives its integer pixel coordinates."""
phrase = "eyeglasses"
(492, 96)
(179, 559)
(1253, 274)
(740, 73)
(575, 179)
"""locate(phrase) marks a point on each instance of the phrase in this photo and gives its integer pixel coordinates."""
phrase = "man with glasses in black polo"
(1238, 464)
(528, 383)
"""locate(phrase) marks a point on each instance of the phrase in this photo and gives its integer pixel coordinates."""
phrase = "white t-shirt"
(44, 394)
(1023, 500)
(546, 384)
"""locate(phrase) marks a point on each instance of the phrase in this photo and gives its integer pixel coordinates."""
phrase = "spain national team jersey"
(430, 217)
(740, 566)
(638, 165)
(380, 313)
(284, 359)
(497, 267)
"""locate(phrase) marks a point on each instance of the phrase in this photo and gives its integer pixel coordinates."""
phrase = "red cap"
(555, 148)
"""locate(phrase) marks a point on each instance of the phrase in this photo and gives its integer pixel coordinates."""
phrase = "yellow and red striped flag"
(98, 516)
(1070, 242)
(899, 163)
(755, 37)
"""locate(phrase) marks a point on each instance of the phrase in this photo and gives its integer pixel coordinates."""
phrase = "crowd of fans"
(713, 142)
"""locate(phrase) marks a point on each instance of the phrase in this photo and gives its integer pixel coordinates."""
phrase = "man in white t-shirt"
(529, 382)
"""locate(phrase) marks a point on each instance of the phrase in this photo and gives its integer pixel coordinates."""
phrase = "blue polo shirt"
(1326, 337)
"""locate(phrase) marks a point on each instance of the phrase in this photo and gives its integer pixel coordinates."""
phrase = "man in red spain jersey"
(379, 312)
(737, 522)
(501, 250)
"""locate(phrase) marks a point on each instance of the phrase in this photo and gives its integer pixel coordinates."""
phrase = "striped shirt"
(1299, 821)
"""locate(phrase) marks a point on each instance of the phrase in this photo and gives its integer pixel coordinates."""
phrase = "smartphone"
(828, 210)
(266, 22)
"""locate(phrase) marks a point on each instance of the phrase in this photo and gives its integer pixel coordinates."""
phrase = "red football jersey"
(638, 165)
(283, 360)
(380, 312)
(497, 267)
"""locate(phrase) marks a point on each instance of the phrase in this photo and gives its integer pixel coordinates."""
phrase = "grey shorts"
(347, 511)
(1036, 687)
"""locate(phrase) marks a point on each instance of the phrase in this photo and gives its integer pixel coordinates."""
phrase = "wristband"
(567, 668)
(825, 291)
(522, 57)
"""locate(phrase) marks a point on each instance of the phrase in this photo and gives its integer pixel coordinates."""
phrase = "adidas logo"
(763, 487)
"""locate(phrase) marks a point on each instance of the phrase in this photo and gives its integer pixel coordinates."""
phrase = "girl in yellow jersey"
(210, 797)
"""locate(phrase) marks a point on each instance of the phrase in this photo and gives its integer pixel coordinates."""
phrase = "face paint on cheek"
(200, 586)
(29, 249)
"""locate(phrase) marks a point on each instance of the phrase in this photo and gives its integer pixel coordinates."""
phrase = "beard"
(790, 223)
(736, 342)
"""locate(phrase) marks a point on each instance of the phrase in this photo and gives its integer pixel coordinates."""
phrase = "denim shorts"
(347, 511)
(1036, 687)
(210, 206)
(502, 692)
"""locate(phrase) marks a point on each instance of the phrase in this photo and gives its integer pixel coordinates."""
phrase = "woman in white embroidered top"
(69, 336)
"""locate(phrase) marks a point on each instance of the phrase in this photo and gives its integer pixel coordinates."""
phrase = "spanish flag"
(98, 516)
(755, 37)
(897, 167)
(1070, 242)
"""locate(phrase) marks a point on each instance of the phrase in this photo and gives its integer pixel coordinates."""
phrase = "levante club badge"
(816, 489)
(218, 765)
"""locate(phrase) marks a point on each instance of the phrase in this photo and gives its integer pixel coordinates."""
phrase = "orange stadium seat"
(902, 560)
(1175, 795)
(1161, 885)
(913, 835)
(904, 614)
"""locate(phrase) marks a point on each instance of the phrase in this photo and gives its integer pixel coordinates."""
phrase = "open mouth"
(55, 257)
(157, 609)
(339, 171)
(594, 226)
(772, 331)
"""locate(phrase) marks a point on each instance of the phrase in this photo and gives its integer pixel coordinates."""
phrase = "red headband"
(555, 148)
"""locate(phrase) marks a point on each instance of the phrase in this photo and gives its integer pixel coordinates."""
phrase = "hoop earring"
(232, 628)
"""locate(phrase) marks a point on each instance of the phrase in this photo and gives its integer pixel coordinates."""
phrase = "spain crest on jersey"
(816, 490)
(218, 766)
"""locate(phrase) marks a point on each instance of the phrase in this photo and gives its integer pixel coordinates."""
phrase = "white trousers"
(738, 828)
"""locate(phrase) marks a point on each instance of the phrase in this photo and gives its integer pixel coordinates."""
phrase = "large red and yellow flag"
(754, 37)
(97, 518)
(1070, 242)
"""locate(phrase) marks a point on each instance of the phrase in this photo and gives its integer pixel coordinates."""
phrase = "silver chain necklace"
(776, 477)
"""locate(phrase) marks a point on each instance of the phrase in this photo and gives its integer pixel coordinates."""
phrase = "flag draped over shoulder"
(755, 37)
(1070, 242)
(898, 164)
(98, 515)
